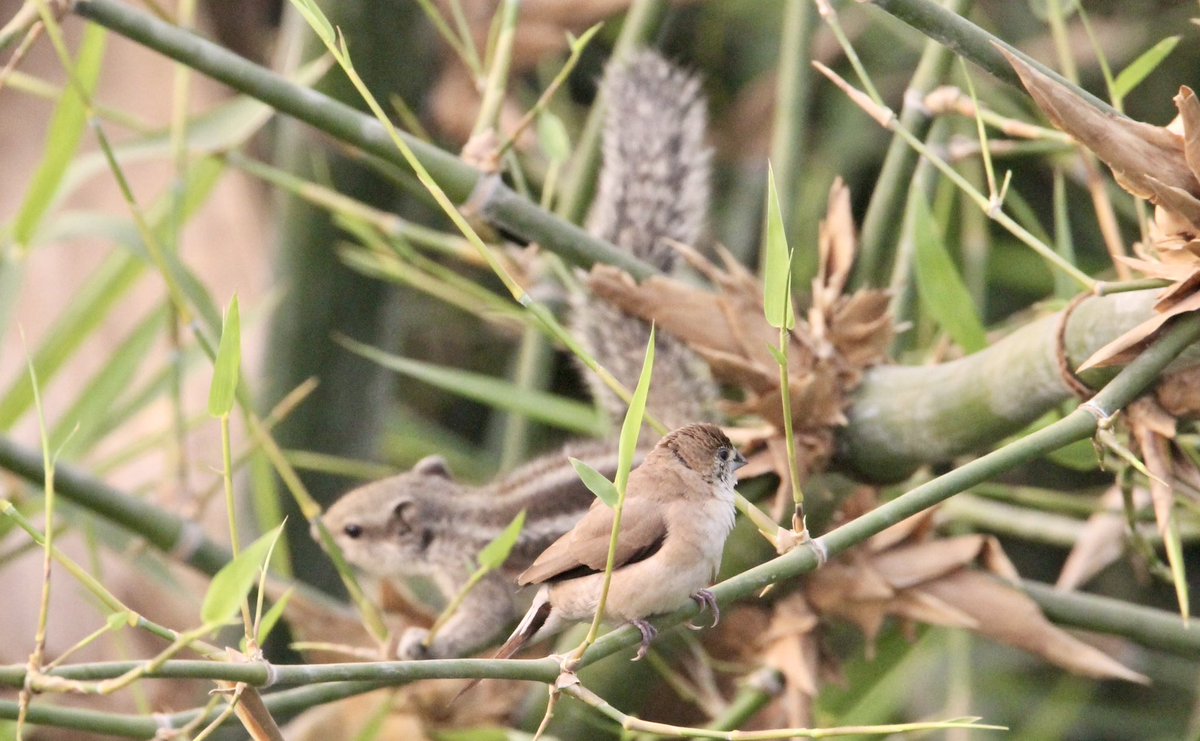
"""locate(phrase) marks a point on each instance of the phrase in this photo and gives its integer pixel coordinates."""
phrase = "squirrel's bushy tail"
(653, 187)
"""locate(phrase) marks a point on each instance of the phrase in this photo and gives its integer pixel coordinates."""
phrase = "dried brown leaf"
(1125, 348)
(1189, 115)
(1102, 541)
(1134, 150)
(922, 607)
(1156, 454)
(910, 565)
(1009, 616)
(836, 247)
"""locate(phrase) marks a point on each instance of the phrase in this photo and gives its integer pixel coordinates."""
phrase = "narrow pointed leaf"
(496, 552)
(1174, 549)
(316, 19)
(553, 137)
(941, 288)
(229, 359)
(273, 615)
(62, 140)
(232, 583)
(596, 482)
(633, 418)
(88, 309)
(777, 295)
(544, 407)
(1140, 68)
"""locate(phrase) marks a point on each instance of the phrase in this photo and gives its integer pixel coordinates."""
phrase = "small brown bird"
(678, 512)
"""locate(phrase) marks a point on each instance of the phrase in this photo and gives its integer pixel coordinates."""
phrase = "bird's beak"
(739, 460)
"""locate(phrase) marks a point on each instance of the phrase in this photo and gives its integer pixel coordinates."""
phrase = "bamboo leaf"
(229, 358)
(232, 583)
(553, 138)
(496, 552)
(633, 418)
(89, 307)
(1140, 68)
(596, 483)
(1174, 548)
(941, 288)
(62, 141)
(316, 19)
(87, 416)
(777, 295)
(494, 392)
(273, 615)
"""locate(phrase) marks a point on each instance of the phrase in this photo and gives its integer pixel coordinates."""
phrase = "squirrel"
(653, 187)
(424, 524)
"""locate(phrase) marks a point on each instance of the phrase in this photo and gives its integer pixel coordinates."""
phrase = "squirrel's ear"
(433, 465)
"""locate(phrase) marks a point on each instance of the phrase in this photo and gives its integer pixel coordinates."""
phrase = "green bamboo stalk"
(504, 209)
(971, 42)
(1145, 625)
(904, 416)
(1133, 380)
(793, 94)
(901, 418)
(262, 674)
(891, 188)
(165, 531)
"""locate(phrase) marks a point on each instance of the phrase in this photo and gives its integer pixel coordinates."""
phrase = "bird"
(678, 511)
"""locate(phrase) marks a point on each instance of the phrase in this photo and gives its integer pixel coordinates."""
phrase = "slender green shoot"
(886, 118)
(497, 77)
(777, 305)
(492, 557)
(627, 446)
(577, 46)
(221, 398)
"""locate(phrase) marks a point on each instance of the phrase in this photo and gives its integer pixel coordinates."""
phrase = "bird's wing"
(584, 549)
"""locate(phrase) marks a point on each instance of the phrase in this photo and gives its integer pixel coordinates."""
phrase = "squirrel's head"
(386, 527)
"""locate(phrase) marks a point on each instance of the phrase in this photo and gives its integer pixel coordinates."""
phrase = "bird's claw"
(648, 632)
(706, 600)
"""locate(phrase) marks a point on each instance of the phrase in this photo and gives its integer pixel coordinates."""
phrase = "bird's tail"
(534, 620)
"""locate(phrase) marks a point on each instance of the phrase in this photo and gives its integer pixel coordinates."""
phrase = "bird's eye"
(353, 531)
(723, 455)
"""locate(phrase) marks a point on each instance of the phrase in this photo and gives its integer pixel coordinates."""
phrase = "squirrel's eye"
(353, 531)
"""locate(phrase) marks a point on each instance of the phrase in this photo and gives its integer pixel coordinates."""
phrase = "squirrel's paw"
(412, 645)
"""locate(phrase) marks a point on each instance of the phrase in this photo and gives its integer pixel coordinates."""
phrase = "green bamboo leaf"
(62, 141)
(273, 615)
(778, 354)
(85, 421)
(553, 138)
(941, 288)
(316, 19)
(232, 583)
(596, 483)
(1174, 548)
(228, 362)
(1140, 68)
(220, 129)
(497, 393)
(496, 552)
(633, 418)
(87, 310)
(777, 271)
